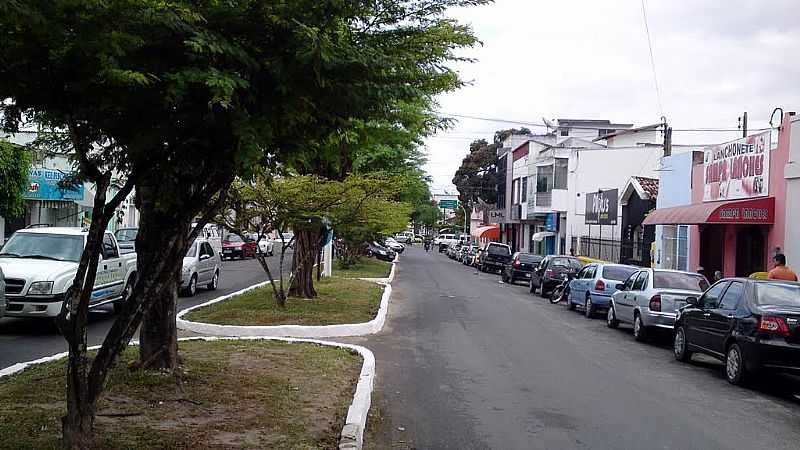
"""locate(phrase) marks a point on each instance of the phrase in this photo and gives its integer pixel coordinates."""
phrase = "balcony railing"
(544, 198)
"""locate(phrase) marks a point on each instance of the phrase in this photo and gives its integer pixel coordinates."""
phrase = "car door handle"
(706, 314)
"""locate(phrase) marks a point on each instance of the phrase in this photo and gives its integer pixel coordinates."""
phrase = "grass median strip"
(232, 394)
(364, 268)
(339, 301)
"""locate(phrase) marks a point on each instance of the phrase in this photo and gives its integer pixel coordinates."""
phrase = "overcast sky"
(590, 59)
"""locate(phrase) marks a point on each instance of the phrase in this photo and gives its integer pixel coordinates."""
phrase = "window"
(192, 250)
(236, 238)
(524, 192)
(544, 179)
(641, 281)
(778, 294)
(498, 249)
(710, 299)
(680, 280)
(582, 273)
(590, 271)
(617, 273)
(604, 131)
(565, 132)
(731, 298)
(561, 173)
(35, 245)
(207, 250)
(629, 282)
(109, 248)
(675, 247)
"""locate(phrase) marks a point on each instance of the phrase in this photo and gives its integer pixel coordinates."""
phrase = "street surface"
(466, 362)
(27, 339)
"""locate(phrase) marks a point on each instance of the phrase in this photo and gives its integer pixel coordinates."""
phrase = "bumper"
(772, 354)
(24, 307)
(658, 319)
(604, 301)
(521, 275)
(232, 253)
(496, 265)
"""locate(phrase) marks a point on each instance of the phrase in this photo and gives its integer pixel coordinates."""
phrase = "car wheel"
(588, 307)
(126, 295)
(735, 370)
(192, 288)
(504, 277)
(680, 347)
(531, 287)
(212, 286)
(611, 318)
(639, 330)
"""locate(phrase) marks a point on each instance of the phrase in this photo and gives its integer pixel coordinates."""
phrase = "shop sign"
(43, 185)
(737, 169)
(496, 216)
(551, 222)
(601, 207)
(754, 211)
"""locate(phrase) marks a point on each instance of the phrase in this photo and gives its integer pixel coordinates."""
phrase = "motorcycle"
(427, 246)
(561, 291)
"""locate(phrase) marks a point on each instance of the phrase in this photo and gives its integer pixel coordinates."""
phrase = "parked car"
(462, 253)
(201, 266)
(40, 264)
(2, 294)
(594, 285)
(650, 298)
(550, 270)
(394, 245)
(234, 246)
(265, 245)
(749, 324)
(469, 258)
(126, 239)
(404, 237)
(520, 267)
(380, 252)
(443, 241)
(494, 256)
(287, 239)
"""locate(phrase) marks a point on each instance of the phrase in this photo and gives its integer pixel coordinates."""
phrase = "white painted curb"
(299, 331)
(352, 436)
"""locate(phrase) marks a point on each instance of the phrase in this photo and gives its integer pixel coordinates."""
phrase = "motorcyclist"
(427, 245)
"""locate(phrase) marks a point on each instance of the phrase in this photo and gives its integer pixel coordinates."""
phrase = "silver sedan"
(649, 299)
(201, 265)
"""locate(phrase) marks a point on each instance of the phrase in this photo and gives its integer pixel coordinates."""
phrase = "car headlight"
(382, 252)
(41, 288)
(185, 270)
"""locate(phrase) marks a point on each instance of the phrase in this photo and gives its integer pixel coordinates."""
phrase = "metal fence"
(624, 252)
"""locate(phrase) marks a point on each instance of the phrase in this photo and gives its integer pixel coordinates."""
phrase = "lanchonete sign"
(737, 169)
(44, 186)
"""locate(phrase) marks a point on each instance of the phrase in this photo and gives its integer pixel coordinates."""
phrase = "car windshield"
(571, 263)
(192, 252)
(618, 273)
(61, 247)
(527, 258)
(232, 238)
(679, 280)
(778, 294)
(500, 250)
(127, 235)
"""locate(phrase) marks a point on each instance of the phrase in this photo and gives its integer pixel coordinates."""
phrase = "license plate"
(527, 275)
(227, 251)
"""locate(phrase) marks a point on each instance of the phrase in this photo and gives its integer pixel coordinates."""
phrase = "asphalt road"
(466, 362)
(27, 339)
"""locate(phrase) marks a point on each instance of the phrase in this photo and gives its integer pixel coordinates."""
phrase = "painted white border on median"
(298, 331)
(352, 435)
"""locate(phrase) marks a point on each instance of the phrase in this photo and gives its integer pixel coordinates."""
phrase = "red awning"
(754, 211)
(489, 232)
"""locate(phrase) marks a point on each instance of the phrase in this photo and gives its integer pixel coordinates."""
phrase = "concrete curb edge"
(352, 435)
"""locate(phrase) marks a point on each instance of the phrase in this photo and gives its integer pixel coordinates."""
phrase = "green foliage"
(15, 161)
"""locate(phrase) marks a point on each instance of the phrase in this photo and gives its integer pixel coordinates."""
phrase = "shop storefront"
(736, 218)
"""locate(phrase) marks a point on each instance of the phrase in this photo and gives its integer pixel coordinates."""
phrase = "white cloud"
(590, 59)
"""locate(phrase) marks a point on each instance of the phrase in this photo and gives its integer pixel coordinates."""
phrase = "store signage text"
(738, 169)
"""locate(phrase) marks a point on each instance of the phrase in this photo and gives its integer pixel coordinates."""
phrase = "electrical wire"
(652, 60)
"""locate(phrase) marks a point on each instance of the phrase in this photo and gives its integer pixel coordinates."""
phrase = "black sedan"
(549, 272)
(748, 324)
(520, 267)
(380, 252)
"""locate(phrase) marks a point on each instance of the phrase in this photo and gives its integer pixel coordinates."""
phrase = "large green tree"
(181, 96)
(15, 161)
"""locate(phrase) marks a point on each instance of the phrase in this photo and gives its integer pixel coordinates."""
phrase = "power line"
(652, 59)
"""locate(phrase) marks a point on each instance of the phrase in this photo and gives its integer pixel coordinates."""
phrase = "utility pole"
(743, 124)
(667, 139)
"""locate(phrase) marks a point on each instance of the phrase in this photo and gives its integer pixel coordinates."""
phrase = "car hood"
(188, 261)
(35, 269)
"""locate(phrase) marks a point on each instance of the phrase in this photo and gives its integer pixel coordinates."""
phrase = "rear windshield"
(778, 294)
(529, 259)
(501, 250)
(617, 273)
(572, 263)
(232, 238)
(679, 280)
(127, 235)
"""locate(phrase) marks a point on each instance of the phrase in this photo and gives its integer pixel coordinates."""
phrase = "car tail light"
(517, 263)
(655, 303)
(774, 325)
(548, 273)
(600, 286)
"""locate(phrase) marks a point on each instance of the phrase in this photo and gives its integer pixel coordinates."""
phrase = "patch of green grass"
(232, 394)
(364, 268)
(339, 300)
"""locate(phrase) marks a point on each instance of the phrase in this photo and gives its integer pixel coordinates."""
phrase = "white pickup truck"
(40, 263)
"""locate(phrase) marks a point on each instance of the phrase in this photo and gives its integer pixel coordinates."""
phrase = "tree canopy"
(15, 161)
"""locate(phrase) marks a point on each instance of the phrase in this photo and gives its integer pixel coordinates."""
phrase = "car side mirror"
(694, 301)
(620, 286)
(204, 257)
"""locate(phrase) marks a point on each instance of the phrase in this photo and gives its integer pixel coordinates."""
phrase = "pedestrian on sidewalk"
(781, 271)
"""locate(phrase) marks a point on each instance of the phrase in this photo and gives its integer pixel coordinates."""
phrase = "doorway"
(712, 249)
(750, 248)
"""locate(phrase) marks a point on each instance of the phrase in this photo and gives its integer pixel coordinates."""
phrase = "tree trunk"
(158, 337)
(306, 246)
